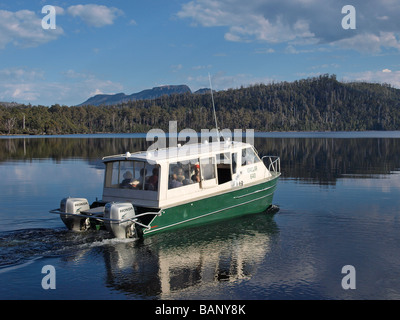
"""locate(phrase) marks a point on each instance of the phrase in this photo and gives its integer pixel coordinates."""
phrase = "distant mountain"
(203, 91)
(314, 104)
(10, 104)
(156, 92)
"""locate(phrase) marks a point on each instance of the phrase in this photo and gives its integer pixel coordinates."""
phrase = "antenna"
(212, 99)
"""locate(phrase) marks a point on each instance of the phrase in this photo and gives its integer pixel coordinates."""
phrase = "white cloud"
(32, 86)
(202, 67)
(132, 22)
(79, 86)
(24, 29)
(326, 66)
(301, 22)
(264, 50)
(18, 84)
(96, 92)
(95, 15)
(245, 21)
(370, 43)
(383, 18)
(292, 50)
(59, 11)
(385, 76)
(24, 92)
(20, 74)
(223, 81)
(176, 68)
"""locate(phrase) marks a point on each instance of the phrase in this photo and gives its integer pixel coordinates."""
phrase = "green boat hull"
(233, 203)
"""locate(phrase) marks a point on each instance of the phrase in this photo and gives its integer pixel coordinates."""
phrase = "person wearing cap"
(196, 175)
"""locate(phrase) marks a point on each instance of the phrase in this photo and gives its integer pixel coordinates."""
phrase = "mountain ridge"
(155, 92)
(314, 104)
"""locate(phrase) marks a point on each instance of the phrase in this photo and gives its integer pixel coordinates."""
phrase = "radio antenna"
(212, 99)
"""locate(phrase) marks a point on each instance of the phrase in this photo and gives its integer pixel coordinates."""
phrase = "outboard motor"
(119, 219)
(74, 206)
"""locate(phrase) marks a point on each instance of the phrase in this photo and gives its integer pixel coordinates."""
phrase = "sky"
(83, 48)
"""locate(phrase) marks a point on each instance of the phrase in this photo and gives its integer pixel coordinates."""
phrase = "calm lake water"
(339, 200)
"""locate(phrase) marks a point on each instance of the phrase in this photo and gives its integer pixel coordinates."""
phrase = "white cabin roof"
(179, 153)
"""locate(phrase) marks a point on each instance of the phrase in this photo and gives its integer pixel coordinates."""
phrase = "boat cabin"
(165, 177)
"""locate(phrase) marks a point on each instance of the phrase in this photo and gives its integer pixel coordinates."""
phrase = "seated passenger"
(174, 183)
(180, 174)
(196, 175)
(187, 181)
(138, 184)
(126, 183)
(152, 182)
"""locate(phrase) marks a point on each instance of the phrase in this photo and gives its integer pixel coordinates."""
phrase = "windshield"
(132, 174)
(249, 157)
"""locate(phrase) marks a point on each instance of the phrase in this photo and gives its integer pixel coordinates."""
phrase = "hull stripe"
(210, 213)
(249, 194)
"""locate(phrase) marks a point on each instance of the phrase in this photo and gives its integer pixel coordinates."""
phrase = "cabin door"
(208, 172)
(224, 173)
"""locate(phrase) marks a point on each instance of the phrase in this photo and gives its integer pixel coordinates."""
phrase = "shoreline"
(257, 134)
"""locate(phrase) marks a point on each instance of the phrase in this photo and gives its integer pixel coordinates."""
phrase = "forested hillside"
(320, 103)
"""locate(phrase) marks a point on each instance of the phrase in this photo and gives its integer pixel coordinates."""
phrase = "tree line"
(315, 104)
(316, 160)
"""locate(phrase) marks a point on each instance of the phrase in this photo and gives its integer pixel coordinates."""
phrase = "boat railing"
(99, 216)
(273, 163)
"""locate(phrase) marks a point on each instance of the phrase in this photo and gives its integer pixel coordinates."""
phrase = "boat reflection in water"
(167, 265)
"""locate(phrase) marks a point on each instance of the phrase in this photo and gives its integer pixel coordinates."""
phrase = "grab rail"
(101, 218)
(273, 163)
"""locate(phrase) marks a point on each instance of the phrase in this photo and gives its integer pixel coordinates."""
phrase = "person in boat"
(180, 174)
(152, 182)
(196, 175)
(126, 183)
(138, 184)
(174, 183)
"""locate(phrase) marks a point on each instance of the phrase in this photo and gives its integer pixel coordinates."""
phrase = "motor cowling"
(119, 219)
(74, 206)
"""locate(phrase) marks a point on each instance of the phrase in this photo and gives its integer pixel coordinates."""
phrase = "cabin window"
(183, 173)
(207, 168)
(224, 158)
(208, 172)
(113, 169)
(249, 157)
(137, 175)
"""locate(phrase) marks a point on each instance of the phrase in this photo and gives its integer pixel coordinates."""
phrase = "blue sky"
(128, 46)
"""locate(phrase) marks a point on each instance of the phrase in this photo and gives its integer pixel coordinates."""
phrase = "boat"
(181, 186)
